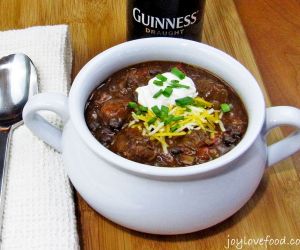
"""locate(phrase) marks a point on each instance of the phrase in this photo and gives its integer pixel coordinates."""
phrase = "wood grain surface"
(272, 27)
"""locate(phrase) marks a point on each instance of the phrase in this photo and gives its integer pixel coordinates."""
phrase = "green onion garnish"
(157, 94)
(175, 81)
(143, 108)
(161, 77)
(156, 110)
(178, 85)
(225, 107)
(172, 118)
(175, 71)
(152, 120)
(132, 105)
(175, 127)
(177, 118)
(164, 109)
(184, 101)
(167, 91)
(158, 83)
(168, 119)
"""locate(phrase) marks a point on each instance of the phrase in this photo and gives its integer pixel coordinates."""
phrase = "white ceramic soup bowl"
(163, 200)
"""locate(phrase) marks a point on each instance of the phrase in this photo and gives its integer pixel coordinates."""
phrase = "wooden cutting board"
(96, 25)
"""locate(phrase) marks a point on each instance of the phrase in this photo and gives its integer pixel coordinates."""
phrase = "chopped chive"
(158, 83)
(143, 108)
(158, 93)
(178, 85)
(174, 81)
(161, 77)
(175, 127)
(167, 92)
(188, 109)
(168, 119)
(225, 107)
(184, 101)
(175, 71)
(164, 109)
(152, 120)
(132, 105)
(156, 110)
(177, 118)
(172, 118)
(184, 86)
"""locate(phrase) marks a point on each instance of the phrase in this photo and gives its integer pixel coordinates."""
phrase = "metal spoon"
(18, 82)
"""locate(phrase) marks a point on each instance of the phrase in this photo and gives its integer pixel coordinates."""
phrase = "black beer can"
(171, 18)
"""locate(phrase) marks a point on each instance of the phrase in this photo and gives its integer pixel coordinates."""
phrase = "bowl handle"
(278, 116)
(56, 103)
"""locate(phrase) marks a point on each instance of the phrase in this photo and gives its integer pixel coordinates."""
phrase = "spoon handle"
(5, 134)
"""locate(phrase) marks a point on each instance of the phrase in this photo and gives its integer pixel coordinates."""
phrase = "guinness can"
(171, 18)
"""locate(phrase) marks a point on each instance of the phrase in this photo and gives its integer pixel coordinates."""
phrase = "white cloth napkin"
(39, 207)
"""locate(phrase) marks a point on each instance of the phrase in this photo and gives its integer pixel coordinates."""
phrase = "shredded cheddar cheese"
(178, 121)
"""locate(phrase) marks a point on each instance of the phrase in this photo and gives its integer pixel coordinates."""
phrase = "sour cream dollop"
(146, 93)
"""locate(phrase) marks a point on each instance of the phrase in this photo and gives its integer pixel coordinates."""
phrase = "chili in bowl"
(166, 114)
